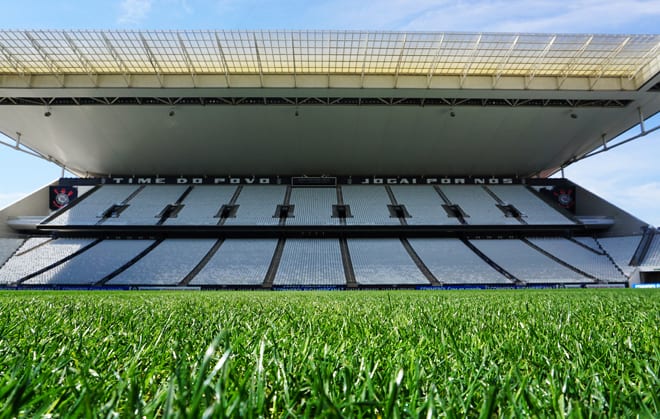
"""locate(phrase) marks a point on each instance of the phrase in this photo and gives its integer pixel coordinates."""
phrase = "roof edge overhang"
(327, 59)
(9, 82)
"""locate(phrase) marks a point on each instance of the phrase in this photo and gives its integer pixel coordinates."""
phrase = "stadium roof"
(426, 55)
(320, 102)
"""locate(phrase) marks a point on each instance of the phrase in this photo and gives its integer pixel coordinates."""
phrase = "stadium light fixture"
(574, 115)
(47, 114)
(452, 113)
(171, 113)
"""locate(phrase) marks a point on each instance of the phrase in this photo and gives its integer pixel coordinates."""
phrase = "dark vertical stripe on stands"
(420, 263)
(347, 262)
(130, 263)
(202, 263)
(274, 264)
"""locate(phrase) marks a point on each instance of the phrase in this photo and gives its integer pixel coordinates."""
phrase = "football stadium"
(383, 165)
(302, 159)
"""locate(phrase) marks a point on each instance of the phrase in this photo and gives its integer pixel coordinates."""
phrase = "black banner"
(310, 180)
(61, 196)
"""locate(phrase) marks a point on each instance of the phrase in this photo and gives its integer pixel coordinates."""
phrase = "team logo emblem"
(565, 197)
(61, 197)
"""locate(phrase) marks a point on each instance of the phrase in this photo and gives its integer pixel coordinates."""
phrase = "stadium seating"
(311, 262)
(424, 205)
(168, 264)
(534, 210)
(93, 265)
(202, 205)
(589, 242)
(313, 206)
(146, 207)
(452, 262)
(477, 204)
(219, 242)
(37, 254)
(368, 205)
(238, 262)
(526, 263)
(621, 249)
(257, 205)
(89, 210)
(590, 261)
(8, 247)
(383, 262)
(315, 262)
(652, 258)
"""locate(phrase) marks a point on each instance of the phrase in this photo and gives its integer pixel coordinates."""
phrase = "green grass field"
(542, 353)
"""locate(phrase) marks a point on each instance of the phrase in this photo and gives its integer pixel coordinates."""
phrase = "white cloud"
(185, 6)
(178, 6)
(134, 11)
(578, 16)
(489, 16)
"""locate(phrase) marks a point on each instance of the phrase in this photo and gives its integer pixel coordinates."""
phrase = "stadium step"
(490, 262)
(130, 263)
(274, 264)
(202, 263)
(610, 258)
(420, 263)
(349, 272)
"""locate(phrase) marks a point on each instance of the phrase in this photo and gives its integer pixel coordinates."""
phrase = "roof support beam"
(535, 65)
(293, 57)
(152, 60)
(125, 73)
(398, 63)
(500, 67)
(468, 64)
(571, 64)
(189, 62)
(644, 60)
(222, 57)
(436, 62)
(57, 72)
(88, 67)
(15, 64)
(609, 59)
(364, 60)
(610, 147)
(18, 146)
(53, 101)
(261, 70)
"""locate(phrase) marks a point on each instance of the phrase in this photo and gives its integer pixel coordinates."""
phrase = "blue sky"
(628, 176)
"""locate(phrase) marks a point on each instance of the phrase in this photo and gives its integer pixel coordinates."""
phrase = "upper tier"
(280, 205)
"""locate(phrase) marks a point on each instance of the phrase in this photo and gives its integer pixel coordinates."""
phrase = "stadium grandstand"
(322, 159)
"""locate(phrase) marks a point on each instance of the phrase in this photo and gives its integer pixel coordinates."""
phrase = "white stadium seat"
(311, 262)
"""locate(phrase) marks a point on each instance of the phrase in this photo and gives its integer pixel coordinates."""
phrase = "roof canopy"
(231, 53)
(311, 102)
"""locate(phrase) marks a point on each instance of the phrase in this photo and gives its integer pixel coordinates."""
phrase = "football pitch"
(355, 354)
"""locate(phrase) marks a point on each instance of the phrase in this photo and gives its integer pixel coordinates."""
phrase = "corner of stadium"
(323, 159)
